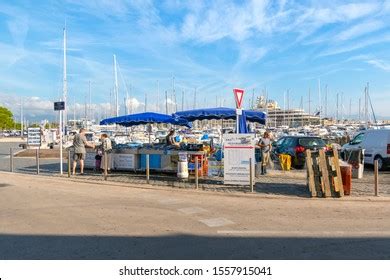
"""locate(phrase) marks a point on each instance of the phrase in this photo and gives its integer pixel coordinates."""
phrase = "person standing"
(79, 144)
(265, 147)
(106, 148)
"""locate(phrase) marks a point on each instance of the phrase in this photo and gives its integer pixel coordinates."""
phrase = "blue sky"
(213, 46)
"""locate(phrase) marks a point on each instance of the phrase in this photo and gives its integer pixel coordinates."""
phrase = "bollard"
(69, 167)
(376, 176)
(196, 173)
(11, 160)
(105, 162)
(250, 174)
(147, 169)
(37, 159)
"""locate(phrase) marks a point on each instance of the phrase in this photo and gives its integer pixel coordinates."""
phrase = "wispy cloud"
(380, 64)
(359, 30)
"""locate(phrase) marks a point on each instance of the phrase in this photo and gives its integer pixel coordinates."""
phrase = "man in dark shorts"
(79, 144)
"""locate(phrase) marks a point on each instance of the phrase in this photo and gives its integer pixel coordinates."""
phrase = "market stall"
(162, 157)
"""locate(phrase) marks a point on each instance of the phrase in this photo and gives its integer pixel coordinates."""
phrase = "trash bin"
(346, 176)
(182, 166)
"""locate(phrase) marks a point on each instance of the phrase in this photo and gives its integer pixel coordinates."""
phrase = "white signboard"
(124, 161)
(238, 150)
(34, 136)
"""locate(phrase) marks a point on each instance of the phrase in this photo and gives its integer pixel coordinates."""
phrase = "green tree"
(6, 118)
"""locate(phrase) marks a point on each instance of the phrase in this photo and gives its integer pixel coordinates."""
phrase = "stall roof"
(220, 113)
(146, 118)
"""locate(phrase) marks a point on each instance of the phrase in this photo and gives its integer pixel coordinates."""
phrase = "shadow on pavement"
(299, 190)
(2, 185)
(189, 247)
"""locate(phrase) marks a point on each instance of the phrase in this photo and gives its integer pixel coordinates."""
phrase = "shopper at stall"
(265, 147)
(170, 139)
(79, 144)
(106, 148)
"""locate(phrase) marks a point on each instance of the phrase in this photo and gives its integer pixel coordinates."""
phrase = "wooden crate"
(324, 174)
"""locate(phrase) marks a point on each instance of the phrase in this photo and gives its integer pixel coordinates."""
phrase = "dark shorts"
(78, 156)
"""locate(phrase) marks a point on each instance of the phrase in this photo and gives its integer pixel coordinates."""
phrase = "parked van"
(376, 143)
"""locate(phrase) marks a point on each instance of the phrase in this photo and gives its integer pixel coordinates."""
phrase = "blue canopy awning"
(220, 113)
(145, 118)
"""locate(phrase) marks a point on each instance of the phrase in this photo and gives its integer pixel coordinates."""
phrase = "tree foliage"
(6, 119)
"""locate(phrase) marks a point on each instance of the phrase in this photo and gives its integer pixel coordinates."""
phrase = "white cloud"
(380, 64)
(355, 46)
(359, 30)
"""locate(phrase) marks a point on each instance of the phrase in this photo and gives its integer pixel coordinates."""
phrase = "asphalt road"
(43, 217)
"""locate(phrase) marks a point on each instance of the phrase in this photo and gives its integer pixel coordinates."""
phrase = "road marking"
(302, 233)
(192, 210)
(170, 201)
(216, 222)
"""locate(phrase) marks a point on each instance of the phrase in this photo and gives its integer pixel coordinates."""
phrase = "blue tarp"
(220, 113)
(145, 118)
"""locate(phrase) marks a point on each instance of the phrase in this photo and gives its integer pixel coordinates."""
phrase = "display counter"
(163, 160)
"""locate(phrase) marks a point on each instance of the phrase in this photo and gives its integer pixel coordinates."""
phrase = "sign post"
(60, 106)
(239, 152)
(238, 97)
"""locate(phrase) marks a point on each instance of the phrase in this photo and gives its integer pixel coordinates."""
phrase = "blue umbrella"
(220, 113)
(146, 118)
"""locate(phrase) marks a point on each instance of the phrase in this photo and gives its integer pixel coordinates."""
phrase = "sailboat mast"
(337, 108)
(65, 85)
(158, 97)
(116, 91)
(326, 101)
(182, 100)
(166, 102)
(90, 101)
(309, 108)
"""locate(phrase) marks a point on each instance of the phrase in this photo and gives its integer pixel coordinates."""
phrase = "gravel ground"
(277, 183)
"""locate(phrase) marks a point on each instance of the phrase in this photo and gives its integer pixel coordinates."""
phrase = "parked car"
(376, 145)
(295, 146)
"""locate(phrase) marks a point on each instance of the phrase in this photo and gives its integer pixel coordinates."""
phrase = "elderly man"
(79, 144)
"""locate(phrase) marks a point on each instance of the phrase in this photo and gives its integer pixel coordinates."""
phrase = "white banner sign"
(124, 161)
(34, 136)
(238, 150)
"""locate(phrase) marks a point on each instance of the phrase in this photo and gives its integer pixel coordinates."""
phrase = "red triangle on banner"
(238, 96)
